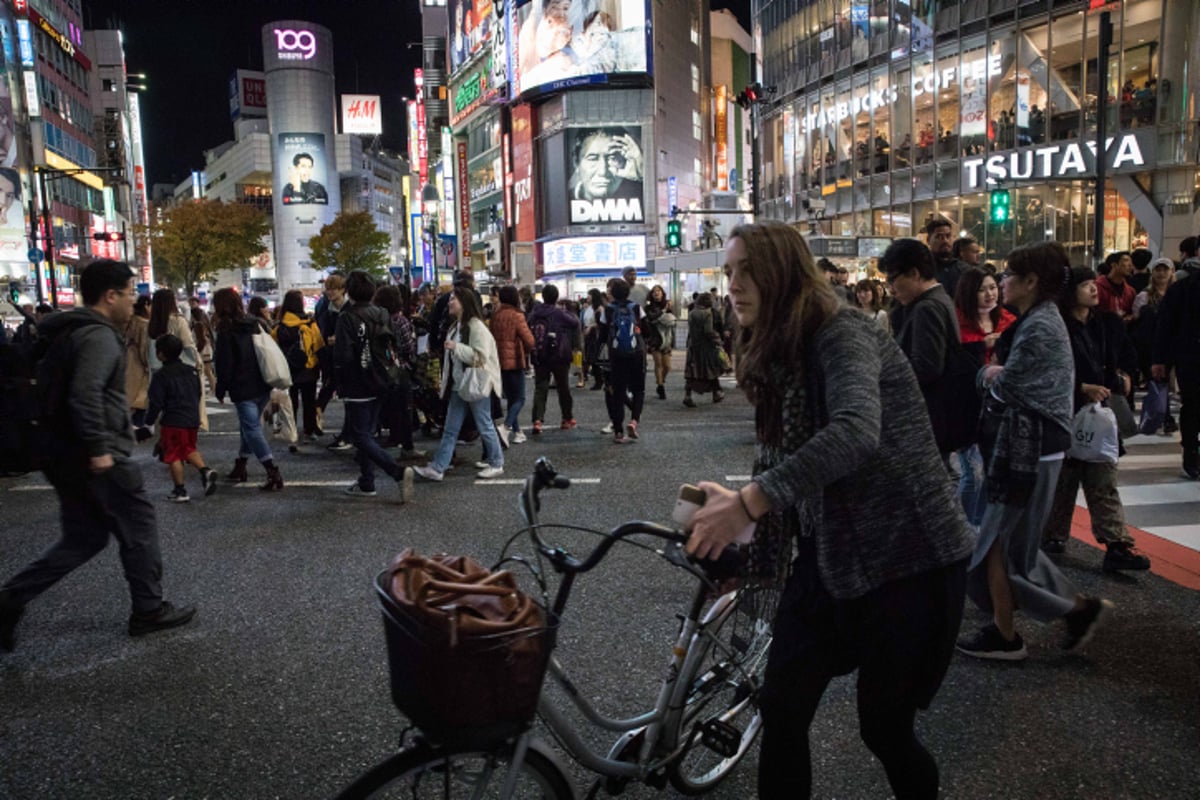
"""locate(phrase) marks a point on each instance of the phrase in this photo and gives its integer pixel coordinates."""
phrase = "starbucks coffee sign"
(1063, 160)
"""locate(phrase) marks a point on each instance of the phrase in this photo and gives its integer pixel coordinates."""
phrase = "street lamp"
(430, 199)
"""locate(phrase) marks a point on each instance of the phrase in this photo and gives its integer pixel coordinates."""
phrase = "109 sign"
(295, 45)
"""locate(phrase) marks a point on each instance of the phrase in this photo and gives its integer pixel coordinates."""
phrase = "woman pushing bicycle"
(882, 544)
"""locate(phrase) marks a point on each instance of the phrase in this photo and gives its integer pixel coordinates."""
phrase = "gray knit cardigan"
(889, 507)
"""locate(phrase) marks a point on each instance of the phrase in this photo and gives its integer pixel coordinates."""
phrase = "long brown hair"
(227, 309)
(162, 307)
(795, 300)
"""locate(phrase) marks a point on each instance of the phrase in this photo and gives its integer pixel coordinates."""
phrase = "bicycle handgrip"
(725, 566)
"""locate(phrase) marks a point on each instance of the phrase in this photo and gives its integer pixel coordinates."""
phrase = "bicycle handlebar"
(546, 477)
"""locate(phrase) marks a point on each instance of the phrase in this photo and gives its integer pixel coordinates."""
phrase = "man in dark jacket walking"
(99, 485)
(1177, 346)
(556, 335)
(925, 325)
(363, 337)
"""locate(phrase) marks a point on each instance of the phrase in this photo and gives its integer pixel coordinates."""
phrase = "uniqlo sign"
(254, 92)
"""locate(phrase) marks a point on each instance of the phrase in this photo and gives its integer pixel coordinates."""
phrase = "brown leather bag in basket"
(466, 647)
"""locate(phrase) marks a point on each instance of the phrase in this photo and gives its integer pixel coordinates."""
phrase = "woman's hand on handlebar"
(717, 523)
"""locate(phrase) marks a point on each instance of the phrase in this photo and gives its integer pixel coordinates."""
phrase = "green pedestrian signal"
(1000, 205)
(674, 234)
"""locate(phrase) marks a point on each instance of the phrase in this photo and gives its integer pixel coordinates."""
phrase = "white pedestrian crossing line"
(521, 481)
(737, 478)
(1154, 494)
(1185, 535)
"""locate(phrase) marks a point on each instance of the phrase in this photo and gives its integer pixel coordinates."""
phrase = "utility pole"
(1106, 34)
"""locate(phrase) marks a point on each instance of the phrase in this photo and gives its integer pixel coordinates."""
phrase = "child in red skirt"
(175, 393)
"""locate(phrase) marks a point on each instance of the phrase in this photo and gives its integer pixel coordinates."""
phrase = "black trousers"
(397, 414)
(627, 375)
(94, 507)
(899, 637)
(562, 385)
(1189, 412)
(306, 392)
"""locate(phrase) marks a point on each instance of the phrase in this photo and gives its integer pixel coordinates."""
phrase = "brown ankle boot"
(274, 480)
(238, 474)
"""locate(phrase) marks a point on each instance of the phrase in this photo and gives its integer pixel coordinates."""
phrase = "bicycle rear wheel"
(424, 772)
(721, 717)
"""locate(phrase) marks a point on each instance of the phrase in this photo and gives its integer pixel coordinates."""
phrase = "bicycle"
(703, 723)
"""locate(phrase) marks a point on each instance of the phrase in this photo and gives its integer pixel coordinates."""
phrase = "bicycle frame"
(659, 720)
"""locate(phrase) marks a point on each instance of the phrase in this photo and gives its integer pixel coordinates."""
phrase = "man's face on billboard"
(598, 165)
(304, 169)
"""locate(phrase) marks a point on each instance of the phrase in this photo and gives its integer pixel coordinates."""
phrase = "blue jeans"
(362, 417)
(513, 381)
(456, 411)
(250, 424)
(972, 486)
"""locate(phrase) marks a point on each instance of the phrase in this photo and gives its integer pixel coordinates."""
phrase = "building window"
(695, 79)
(697, 126)
(695, 32)
(109, 85)
(698, 171)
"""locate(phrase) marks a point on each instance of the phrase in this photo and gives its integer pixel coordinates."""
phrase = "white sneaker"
(607, 428)
(429, 473)
(517, 437)
(502, 432)
(490, 472)
(482, 465)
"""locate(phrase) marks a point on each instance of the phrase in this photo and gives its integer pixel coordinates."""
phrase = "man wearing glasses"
(99, 485)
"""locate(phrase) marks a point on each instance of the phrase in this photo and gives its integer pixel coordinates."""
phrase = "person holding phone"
(846, 469)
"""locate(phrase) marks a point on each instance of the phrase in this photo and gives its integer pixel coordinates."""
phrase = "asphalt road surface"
(279, 687)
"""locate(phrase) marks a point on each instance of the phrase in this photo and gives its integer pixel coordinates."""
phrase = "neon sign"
(295, 45)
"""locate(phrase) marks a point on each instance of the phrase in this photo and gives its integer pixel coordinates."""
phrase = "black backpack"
(35, 382)
(552, 341)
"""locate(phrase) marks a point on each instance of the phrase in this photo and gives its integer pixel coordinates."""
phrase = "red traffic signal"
(109, 236)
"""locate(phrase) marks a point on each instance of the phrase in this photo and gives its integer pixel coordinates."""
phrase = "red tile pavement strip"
(1172, 561)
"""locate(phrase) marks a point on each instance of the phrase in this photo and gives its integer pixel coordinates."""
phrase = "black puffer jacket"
(237, 365)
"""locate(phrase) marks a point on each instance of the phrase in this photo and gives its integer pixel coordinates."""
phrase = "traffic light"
(999, 205)
(674, 234)
(109, 236)
(750, 95)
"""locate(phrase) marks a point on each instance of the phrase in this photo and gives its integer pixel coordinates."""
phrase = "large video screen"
(562, 43)
(607, 175)
(472, 23)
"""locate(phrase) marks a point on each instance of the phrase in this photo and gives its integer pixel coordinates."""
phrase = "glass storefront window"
(1066, 76)
(923, 88)
(1030, 206)
(973, 222)
(902, 151)
(881, 116)
(1178, 62)
(972, 111)
(1139, 62)
(1031, 82)
(1001, 73)
(845, 134)
(833, 156)
(861, 126)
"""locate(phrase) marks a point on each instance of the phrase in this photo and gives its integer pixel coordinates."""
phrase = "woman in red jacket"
(514, 340)
(981, 320)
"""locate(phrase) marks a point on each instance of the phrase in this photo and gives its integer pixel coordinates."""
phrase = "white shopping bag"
(1094, 435)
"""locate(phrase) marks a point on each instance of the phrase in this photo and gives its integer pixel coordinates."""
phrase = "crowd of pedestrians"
(895, 510)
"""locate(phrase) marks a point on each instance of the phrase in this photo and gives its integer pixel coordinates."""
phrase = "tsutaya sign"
(1066, 160)
(977, 70)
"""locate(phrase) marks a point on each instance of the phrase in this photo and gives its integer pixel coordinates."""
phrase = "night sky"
(190, 48)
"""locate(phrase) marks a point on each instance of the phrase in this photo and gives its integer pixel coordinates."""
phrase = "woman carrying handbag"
(1099, 348)
(470, 372)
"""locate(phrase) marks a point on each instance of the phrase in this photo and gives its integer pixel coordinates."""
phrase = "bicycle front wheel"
(721, 717)
(424, 772)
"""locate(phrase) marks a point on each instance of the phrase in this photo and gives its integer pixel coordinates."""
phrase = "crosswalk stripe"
(521, 481)
(1153, 494)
